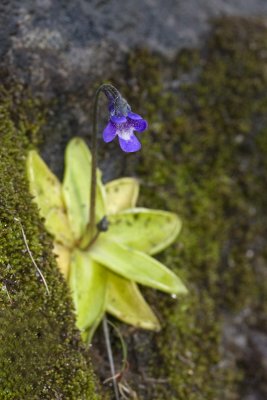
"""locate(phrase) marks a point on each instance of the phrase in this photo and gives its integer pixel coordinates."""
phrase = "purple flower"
(122, 121)
(124, 127)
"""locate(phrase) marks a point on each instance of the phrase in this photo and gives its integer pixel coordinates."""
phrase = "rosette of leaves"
(104, 275)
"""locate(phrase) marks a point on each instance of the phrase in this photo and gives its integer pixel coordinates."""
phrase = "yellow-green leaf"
(44, 185)
(135, 266)
(125, 302)
(57, 224)
(76, 187)
(87, 281)
(46, 189)
(63, 258)
(121, 194)
(143, 229)
(88, 334)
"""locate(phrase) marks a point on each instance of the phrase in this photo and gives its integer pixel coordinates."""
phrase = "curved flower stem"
(94, 162)
(109, 90)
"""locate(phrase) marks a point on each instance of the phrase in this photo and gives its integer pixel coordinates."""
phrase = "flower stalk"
(94, 164)
(113, 95)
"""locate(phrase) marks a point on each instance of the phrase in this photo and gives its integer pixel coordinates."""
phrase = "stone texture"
(56, 45)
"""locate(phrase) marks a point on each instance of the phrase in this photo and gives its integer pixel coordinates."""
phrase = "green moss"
(205, 158)
(41, 355)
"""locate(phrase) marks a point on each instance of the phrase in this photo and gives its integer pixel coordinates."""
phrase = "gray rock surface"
(56, 45)
(246, 346)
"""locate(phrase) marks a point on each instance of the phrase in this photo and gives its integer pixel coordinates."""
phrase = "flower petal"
(131, 144)
(139, 125)
(118, 119)
(137, 122)
(134, 116)
(109, 132)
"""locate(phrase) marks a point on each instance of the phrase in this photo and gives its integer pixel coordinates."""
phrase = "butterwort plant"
(104, 243)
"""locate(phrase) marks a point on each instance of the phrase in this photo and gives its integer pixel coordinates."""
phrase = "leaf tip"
(180, 289)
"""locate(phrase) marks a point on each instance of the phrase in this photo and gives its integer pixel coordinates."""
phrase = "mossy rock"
(204, 158)
(41, 354)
